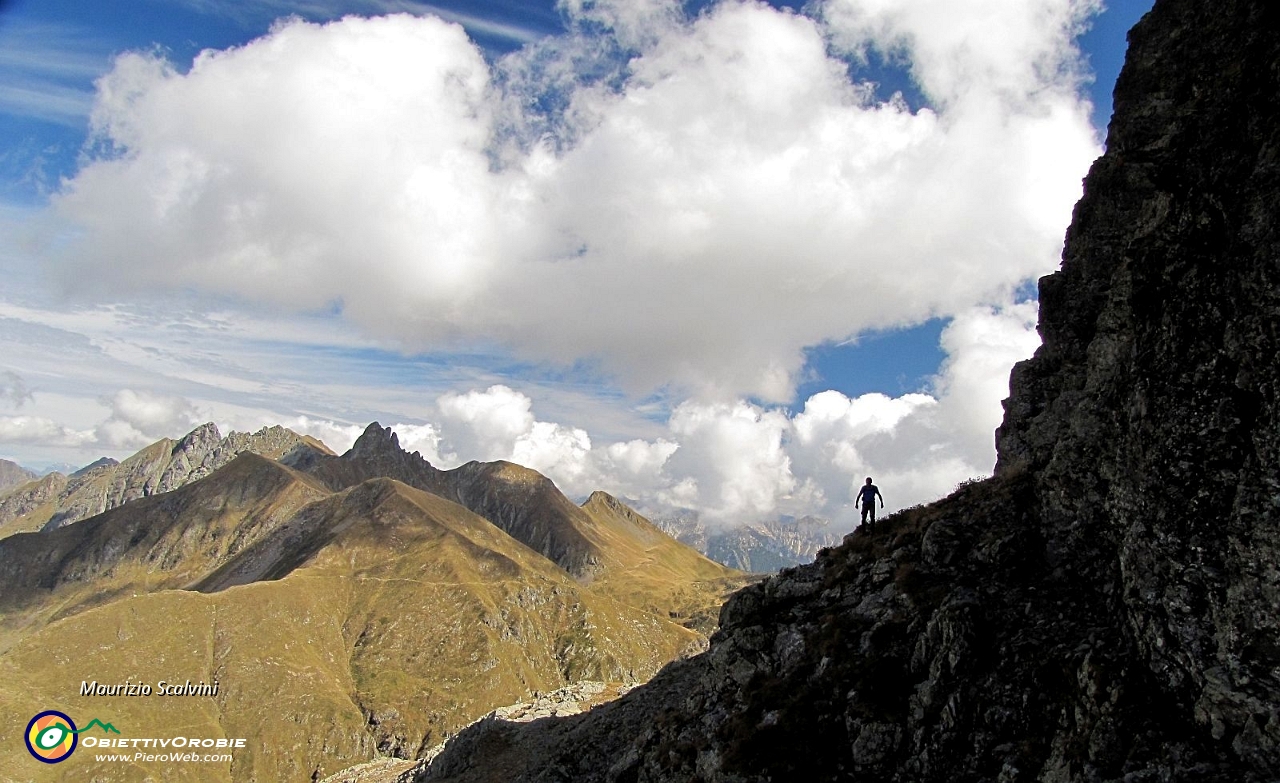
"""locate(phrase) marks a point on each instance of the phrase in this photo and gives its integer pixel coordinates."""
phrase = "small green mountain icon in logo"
(106, 727)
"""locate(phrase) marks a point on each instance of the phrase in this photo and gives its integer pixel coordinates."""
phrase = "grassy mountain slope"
(644, 566)
(603, 543)
(522, 502)
(339, 623)
(162, 542)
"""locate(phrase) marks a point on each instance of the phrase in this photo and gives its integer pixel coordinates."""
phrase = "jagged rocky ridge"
(1105, 607)
(56, 500)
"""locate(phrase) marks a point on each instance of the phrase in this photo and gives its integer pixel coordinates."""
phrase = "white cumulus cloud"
(739, 461)
(136, 419)
(731, 197)
(680, 205)
(20, 430)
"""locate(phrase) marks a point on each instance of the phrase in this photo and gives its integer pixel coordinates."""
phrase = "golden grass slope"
(601, 542)
(162, 542)
(338, 625)
(644, 566)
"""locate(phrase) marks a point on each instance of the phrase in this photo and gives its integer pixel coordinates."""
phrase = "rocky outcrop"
(1150, 417)
(936, 647)
(1105, 607)
(571, 699)
(26, 503)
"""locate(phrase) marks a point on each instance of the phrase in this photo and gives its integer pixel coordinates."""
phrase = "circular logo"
(51, 736)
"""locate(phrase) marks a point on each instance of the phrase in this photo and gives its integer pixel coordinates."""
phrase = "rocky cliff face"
(1149, 417)
(1105, 607)
(26, 500)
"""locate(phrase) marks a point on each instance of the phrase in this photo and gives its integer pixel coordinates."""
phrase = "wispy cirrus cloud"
(41, 100)
(47, 71)
(513, 22)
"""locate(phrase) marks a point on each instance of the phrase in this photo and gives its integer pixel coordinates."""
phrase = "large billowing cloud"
(683, 204)
(741, 462)
(731, 195)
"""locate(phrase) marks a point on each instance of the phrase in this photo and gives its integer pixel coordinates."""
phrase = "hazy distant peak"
(160, 467)
(13, 474)
(100, 462)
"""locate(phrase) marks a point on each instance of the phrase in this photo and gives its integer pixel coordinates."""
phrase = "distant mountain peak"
(100, 462)
(603, 500)
(515, 473)
(376, 440)
(600, 496)
(13, 474)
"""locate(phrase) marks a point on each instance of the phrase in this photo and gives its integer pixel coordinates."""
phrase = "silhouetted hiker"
(867, 497)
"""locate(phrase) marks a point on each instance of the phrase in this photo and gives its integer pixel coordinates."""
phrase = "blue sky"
(702, 255)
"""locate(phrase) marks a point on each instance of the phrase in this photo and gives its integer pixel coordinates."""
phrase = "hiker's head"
(868, 479)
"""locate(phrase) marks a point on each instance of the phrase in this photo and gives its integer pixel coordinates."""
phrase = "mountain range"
(347, 606)
(1104, 608)
(29, 502)
(759, 547)
(56, 499)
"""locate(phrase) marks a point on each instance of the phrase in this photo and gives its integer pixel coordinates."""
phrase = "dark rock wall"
(1149, 416)
(1104, 608)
